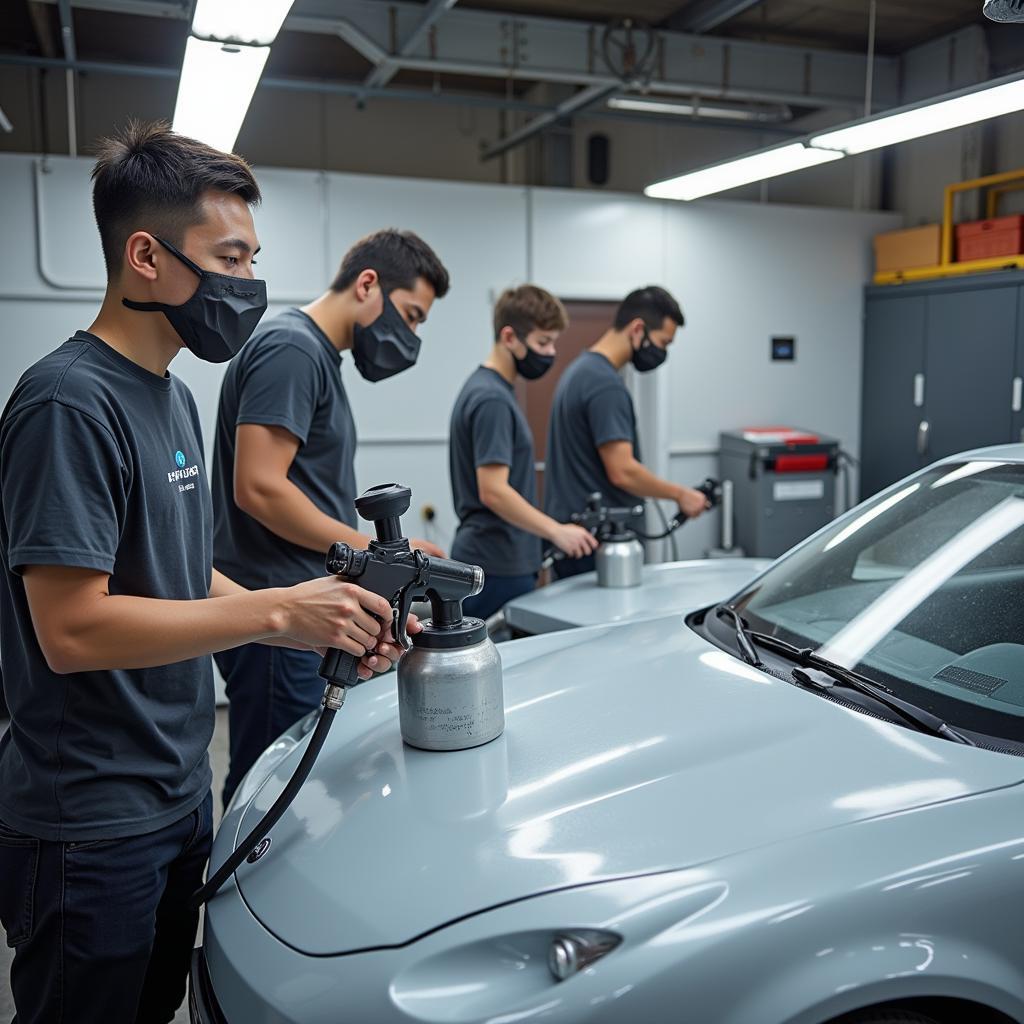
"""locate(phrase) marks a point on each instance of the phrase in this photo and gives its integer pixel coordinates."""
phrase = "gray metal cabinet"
(1017, 387)
(970, 346)
(894, 354)
(940, 362)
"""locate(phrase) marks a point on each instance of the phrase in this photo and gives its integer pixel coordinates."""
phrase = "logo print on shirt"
(182, 473)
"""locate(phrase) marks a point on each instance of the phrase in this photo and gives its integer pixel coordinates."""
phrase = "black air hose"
(271, 818)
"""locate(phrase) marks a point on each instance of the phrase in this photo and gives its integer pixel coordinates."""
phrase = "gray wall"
(742, 272)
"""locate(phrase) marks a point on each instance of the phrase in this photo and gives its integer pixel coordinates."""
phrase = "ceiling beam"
(379, 77)
(41, 24)
(580, 101)
(706, 15)
(532, 49)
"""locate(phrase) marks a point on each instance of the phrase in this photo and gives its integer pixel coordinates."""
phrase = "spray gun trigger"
(400, 615)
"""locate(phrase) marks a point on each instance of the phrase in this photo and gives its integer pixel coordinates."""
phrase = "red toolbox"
(982, 239)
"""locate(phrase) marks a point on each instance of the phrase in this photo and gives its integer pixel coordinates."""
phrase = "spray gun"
(449, 682)
(620, 556)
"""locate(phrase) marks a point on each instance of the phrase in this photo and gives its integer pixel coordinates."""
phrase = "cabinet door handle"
(922, 437)
(1018, 388)
(918, 390)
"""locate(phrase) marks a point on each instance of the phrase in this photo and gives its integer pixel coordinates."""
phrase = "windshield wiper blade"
(812, 667)
(742, 635)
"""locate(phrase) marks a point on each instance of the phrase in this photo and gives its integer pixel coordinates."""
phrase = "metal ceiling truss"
(706, 15)
(436, 39)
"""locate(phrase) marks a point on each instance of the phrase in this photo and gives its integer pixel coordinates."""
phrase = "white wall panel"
(744, 273)
(586, 245)
(291, 226)
(69, 252)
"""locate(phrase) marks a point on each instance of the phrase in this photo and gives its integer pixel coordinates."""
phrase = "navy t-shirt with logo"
(101, 467)
(288, 375)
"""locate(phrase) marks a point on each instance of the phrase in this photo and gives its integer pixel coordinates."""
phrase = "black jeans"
(269, 690)
(102, 930)
(497, 592)
(565, 567)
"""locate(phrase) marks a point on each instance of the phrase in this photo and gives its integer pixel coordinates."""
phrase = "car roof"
(998, 453)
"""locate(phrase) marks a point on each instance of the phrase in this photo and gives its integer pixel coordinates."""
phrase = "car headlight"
(572, 952)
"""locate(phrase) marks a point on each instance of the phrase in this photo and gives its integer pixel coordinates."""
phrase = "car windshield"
(920, 589)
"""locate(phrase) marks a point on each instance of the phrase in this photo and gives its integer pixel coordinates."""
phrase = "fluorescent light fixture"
(769, 163)
(255, 22)
(217, 83)
(1003, 96)
(698, 108)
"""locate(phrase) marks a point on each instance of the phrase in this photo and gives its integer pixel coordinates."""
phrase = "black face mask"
(533, 365)
(385, 347)
(648, 356)
(221, 315)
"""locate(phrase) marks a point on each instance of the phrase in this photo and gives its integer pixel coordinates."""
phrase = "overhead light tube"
(216, 87)
(968, 106)
(698, 108)
(769, 163)
(254, 22)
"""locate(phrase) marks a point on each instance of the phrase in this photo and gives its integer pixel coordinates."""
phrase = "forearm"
(286, 512)
(221, 586)
(118, 631)
(508, 504)
(639, 481)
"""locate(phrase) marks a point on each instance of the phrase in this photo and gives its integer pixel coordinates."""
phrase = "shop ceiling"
(798, 55)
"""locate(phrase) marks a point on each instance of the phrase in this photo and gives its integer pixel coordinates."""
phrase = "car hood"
(667, 587)
(628, 749)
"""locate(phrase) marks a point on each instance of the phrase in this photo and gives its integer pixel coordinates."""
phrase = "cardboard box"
(915, 247)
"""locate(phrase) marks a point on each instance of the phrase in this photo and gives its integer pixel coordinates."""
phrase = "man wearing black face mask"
(284, 460)
(109, 603)
(491, 457)
(592, 437)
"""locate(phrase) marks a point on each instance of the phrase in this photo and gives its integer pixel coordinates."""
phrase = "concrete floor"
(219, 758)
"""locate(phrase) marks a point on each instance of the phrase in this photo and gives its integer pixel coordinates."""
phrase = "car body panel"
(905, 904)
(699, 744)
(666, 588)
(767, 856)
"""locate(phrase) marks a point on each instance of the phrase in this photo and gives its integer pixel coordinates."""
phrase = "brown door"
(587, 322)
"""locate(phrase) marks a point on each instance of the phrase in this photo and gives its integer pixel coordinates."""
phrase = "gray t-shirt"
(592, 407)
(488, 428)
(101, 467)
(288, 375)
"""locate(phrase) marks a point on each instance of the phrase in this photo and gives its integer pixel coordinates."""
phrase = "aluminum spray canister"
(450, 693)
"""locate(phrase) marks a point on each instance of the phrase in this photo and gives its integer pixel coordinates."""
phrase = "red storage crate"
(982, 239)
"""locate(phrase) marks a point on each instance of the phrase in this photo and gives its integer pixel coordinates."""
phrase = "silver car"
(667, 588)
(803, 805)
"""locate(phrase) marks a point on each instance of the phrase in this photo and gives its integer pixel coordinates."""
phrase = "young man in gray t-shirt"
(491, 456)
(593, 443)
(110, 605)
(284, 459)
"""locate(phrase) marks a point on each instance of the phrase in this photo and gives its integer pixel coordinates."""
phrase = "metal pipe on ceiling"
(318, 85)
(67, 35)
